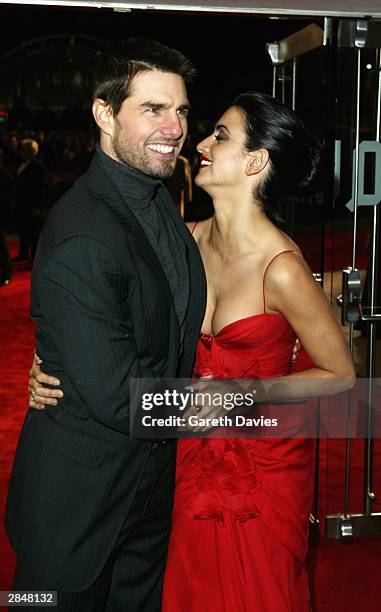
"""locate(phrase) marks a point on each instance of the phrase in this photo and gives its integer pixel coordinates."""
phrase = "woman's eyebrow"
(221, 126)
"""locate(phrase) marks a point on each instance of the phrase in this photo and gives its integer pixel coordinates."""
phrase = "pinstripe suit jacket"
(104, 313)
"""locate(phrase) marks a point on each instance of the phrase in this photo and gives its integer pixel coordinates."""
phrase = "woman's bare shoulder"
(287, 244)
(288, 268)
(279, 251)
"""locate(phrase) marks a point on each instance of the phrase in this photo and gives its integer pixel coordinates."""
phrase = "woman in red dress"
(241, 508)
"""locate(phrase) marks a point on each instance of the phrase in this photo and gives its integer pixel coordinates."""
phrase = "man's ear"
(258, 161)
(103, 116)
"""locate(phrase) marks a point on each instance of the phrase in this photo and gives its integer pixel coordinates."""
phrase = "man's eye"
(183, 112)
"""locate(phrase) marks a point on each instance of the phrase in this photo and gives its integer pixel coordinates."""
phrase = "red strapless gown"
(241, 507)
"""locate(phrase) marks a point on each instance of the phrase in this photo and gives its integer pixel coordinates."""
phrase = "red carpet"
(16, 341)
(345, 575)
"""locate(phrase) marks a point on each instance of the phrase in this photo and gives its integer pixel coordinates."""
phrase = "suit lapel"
(103, 189)
(197, 286)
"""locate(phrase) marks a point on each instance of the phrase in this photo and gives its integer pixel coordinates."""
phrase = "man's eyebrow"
(221, 126)
(151, 103)
(160, 105)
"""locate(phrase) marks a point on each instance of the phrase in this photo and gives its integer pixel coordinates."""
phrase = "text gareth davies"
(198, 421)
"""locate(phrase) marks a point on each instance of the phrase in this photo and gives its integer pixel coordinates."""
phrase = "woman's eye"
(218, 137)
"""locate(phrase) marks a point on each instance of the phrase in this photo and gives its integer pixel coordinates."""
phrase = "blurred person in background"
(7, 191)
(30, 193)
(11, 153)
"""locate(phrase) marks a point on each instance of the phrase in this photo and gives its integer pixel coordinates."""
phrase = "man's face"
(151, 126)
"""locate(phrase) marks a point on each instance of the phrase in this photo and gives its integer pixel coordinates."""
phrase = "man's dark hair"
(115, 71)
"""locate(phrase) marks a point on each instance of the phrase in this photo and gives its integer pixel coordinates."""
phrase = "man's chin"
(163, 171)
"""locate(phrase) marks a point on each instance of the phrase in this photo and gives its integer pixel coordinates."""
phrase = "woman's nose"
(202, 146)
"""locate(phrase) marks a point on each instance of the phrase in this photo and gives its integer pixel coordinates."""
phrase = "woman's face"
(222, 154)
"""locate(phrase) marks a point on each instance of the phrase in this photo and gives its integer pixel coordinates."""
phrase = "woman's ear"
(103, 116)
(258, 161)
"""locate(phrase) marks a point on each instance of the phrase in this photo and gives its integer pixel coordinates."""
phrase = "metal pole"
(372, 336)
(351, 325)
(315, 505)
(357, 156)
(283, 77)
(329, 194)
(274, 80)
(356, 177)
(294, 66)
(348, 455)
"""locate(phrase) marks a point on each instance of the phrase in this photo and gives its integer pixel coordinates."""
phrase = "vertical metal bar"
(294, 66)
(351, 326)
(376, 210)
(275, 74)
(371, 366)
(357, 156)
(336, 191)
(315, 506)
(372, 336)
(356, 177)
(283, 76)
(328, 31)
(330, 59)
(348, 454)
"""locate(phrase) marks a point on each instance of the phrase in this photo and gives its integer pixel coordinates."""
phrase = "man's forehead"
(151, 83)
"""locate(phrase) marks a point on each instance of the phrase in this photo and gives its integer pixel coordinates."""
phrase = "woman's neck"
(236, 229)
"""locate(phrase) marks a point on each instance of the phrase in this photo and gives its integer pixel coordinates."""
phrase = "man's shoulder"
(82, 211)
(74, 209)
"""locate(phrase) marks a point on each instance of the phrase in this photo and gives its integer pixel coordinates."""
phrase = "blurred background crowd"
(42, 153)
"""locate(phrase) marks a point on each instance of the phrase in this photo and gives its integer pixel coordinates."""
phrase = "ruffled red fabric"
(241, 507)
(224, 478)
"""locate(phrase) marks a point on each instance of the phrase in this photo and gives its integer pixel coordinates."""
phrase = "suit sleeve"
(83, 301)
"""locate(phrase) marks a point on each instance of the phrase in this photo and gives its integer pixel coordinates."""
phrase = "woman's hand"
(203, 416)
(39, 395)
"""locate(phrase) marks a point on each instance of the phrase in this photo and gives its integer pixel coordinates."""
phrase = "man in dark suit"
(118, 291)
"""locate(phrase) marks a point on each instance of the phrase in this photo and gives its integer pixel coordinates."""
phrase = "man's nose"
(173, 127)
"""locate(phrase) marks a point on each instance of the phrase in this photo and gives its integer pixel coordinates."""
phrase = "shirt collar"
(130, 183)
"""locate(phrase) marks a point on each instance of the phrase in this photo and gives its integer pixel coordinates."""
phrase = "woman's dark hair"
(115, 71)
(294, 159)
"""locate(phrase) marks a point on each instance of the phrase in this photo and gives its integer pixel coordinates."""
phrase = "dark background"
(45, 75)
(228, 50)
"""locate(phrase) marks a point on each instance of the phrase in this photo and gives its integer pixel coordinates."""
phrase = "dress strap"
(265, 272)
(194, 227)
